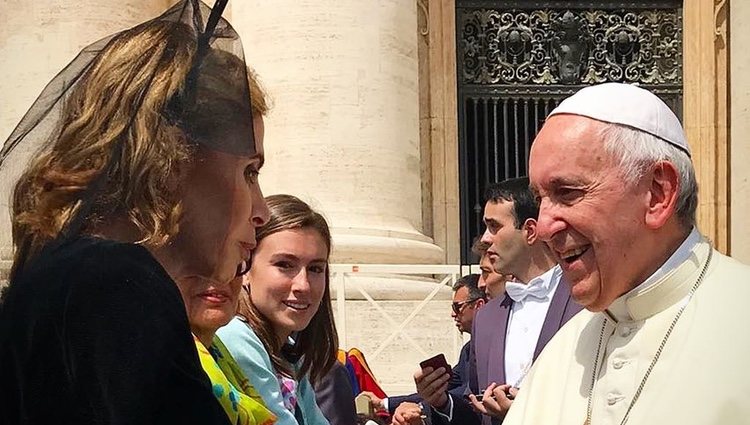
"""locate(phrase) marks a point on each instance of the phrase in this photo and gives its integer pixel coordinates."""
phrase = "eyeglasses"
(457, 306)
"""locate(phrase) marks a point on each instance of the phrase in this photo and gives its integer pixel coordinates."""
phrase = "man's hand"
(377, 403)
(495, 402)
(407, 414)
(432, 386)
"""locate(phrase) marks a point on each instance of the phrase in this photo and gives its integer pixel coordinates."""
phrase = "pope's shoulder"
(725, 265)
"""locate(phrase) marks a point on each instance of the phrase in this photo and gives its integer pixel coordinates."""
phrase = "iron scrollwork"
(545, 47)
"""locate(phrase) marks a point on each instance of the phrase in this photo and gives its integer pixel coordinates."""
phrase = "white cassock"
(702, 376)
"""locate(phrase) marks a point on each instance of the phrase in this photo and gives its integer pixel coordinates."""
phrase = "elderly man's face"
(588, 215)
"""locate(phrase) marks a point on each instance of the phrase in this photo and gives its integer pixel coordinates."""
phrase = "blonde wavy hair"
(122, 95)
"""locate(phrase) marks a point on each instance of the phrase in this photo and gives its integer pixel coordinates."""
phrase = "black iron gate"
(518, 59)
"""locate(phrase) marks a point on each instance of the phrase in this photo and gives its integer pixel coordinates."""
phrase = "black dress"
(96, 333)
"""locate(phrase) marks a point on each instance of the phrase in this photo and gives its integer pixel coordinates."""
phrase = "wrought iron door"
(518, 59)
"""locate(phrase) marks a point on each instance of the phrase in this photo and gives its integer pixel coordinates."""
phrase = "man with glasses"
(467, 299)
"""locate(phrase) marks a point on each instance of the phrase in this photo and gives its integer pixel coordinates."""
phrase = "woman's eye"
(251, 174)
(284, 265)
(318, 269)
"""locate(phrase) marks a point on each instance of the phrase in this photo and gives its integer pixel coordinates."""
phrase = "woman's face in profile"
(209, 305)
(222, 206)
(288, 278)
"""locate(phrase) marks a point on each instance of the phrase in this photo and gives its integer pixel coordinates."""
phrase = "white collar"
(618, 310)
(678, 257)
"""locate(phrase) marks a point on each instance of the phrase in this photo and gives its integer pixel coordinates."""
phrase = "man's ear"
(663, 188)
(480, 302)
(529, 231)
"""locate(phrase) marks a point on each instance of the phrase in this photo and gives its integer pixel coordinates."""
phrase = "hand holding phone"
(432, 386)
(494, 401)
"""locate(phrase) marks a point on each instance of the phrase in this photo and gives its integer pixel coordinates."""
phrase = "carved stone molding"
(424, 24)
(720, 18)
(570, 46)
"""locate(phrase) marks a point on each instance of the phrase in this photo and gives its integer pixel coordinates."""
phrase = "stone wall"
(740, 128)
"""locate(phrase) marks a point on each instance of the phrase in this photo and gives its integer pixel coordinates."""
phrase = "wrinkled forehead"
(567, 145)
(254, 151)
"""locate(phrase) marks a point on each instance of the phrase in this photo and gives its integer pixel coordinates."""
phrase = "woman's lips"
(215, 297)
(296, 305)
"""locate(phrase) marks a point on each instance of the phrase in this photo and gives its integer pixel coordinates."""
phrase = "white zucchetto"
(628, 105)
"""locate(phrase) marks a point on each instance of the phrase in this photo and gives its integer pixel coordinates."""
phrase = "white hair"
(637, 151)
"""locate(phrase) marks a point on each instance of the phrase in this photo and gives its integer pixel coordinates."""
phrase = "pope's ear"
(529, 230)
(663, 189)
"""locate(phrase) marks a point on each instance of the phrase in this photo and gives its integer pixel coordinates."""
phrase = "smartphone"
(436, 362)
(480, 396)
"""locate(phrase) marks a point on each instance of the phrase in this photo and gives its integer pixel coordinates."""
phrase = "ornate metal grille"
(518, 59)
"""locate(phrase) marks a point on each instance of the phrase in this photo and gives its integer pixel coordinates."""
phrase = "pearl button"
(626, 331)
(617, 364)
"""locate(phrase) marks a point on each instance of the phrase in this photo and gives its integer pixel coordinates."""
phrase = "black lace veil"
(221, 122)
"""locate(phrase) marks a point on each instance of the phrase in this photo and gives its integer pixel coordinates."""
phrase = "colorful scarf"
(288, 388)
(240, 401)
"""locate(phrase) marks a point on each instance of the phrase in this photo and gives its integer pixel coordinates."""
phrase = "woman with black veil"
(131, 223)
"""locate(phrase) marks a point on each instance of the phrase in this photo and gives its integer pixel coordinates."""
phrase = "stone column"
(344, 129)
(739, 72)
(705, 114)
(343, 135)
(443, 116)
(37, 39)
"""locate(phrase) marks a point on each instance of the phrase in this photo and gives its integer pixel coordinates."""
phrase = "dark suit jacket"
(335, 397)
(487, 353)
(457, 385)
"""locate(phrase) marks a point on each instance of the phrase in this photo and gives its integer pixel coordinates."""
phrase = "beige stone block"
(396, 321)
(740, 129)
(430, 332)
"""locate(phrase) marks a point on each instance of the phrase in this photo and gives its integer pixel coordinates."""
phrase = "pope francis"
(662, 339)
